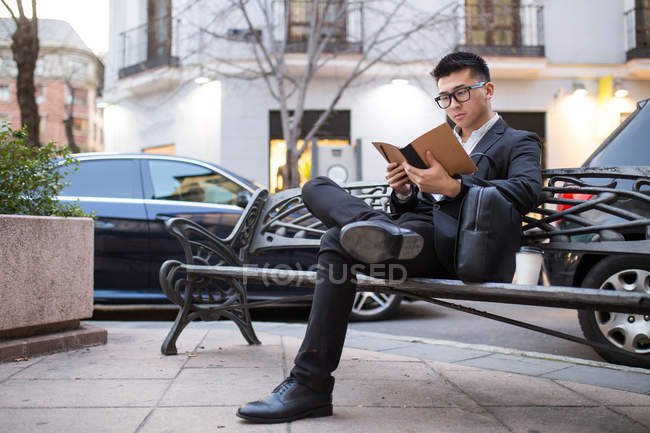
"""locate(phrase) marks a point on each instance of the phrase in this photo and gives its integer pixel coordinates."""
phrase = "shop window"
(165, 149)
(335, 132)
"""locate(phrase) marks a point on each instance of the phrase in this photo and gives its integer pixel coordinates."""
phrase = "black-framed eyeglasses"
(460, 95)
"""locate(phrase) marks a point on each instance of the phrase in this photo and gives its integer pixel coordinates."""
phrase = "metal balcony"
(346, 31)
(637, 33)
(503, 30)
(148, 46)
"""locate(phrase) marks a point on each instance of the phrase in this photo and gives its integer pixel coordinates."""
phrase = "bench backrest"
(610, 218)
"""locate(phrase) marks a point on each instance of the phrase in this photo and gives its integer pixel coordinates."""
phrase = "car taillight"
(574, 196)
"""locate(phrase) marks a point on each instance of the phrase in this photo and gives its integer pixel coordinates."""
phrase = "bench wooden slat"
(545, 296)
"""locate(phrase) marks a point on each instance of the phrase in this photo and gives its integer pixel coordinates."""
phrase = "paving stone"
(91, 365)
(100, 420)
(639, 414)
(292, 345)
(16, 393)
(400, 420)
(625, 381)
(566, 420)
(221, 386)
(436, 353)
(135, 341)
(401, 393)
(373, 343)
(204, 419)
(386, 370)
(608, 396)
(495, 388)
(516, 364)
(251, 356)
(8, 369)
(445, 366)
(226, 337)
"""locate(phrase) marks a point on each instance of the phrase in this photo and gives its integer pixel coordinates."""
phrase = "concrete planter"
(46, 280)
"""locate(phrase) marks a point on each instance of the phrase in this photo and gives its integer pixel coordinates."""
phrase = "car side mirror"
(242, 198)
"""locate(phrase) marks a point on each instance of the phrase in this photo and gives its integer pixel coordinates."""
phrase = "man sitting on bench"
(419, 235)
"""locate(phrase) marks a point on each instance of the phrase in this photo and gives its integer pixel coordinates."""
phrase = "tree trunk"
(291, 173)
(69, 123)
(25, 48)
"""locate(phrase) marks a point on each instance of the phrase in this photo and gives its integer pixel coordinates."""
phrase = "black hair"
(459, 60)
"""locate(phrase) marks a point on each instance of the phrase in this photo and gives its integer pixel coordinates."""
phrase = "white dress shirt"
(468, 146)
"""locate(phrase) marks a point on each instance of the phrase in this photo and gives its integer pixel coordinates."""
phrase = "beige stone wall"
(46, 273)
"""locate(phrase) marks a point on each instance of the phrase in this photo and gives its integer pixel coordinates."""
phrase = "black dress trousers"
(321, 348)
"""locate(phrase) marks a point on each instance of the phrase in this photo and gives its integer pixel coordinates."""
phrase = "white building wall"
(189, 117)
(584, 31)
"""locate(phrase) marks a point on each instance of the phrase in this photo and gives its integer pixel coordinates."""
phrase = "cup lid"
(529, 249)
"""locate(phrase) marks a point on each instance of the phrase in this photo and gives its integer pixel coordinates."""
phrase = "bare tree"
(321, 41)
(25, 47)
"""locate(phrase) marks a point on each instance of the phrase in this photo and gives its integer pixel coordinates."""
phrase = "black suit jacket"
(505, 157)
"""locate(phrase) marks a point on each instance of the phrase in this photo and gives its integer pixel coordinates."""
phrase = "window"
(114, 178)
(42, 124)
(183, 181)
(492, 22)
(5, 121)
(331, 16)
(79, 125)
(78, 96)
(5, 94)
(159, 28)
(642, 23)
(334, 132)
(40, 93)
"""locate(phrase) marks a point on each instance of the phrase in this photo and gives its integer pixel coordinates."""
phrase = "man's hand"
(397, 178)
(434, 179)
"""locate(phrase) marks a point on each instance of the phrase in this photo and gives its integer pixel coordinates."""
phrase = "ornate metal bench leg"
(242, 319)
(169, 345)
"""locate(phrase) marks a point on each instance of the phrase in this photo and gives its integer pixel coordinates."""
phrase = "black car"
(627, 146)
(133, 195)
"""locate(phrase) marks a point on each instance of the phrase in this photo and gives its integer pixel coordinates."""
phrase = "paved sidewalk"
(384, 384)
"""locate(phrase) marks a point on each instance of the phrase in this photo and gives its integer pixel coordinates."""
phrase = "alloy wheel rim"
(370, 303)
(630, 332)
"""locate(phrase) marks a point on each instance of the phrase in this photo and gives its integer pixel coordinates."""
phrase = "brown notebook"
(442, 143)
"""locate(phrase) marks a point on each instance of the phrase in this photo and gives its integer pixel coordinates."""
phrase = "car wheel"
(630, 332)
(369, 306)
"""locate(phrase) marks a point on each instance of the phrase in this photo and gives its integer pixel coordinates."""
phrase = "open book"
(442, 143)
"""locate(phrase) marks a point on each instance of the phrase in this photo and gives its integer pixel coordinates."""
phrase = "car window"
(113, 178)
(173, 180)
(627, 145)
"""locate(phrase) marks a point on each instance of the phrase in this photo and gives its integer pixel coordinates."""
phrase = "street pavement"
(385, 383)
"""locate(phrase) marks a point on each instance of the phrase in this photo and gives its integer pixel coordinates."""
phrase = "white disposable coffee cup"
(528, 262)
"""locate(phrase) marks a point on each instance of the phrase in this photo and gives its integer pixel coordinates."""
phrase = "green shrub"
(29, 178)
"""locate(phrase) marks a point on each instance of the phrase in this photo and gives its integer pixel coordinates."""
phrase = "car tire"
(369, 306)
(630, 332)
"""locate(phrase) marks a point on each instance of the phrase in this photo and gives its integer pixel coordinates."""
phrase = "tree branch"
(10, 11)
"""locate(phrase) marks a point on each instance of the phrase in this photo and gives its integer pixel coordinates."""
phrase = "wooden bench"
(211, 283)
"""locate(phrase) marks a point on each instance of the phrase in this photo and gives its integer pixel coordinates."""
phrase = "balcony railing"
(345, 29)
(503, 30)
(148, 45)
(637, 33)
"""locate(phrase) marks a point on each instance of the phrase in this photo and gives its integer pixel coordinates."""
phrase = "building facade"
(570, 71)
(68, 77)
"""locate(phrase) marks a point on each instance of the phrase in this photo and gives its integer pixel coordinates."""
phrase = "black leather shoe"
(288, 402)
(377, 241)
